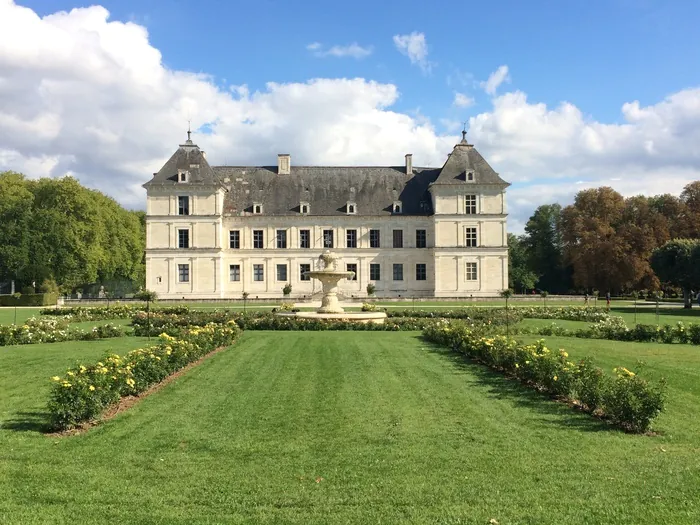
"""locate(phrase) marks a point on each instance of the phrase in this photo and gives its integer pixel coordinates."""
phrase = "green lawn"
(349, 427)
(7, 314)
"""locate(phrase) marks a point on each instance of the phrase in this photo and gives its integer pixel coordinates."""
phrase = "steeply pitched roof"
(464, 159)
(190, 158)
(327, 189)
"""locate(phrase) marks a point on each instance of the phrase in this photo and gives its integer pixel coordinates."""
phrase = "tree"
(690, 197)
(520, 277)
(678, 263)
(16, 219)
(544, 247)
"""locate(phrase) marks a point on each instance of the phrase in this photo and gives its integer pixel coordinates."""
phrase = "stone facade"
(216, 232)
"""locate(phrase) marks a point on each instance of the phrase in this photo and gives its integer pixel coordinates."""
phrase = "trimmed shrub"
(33, 299)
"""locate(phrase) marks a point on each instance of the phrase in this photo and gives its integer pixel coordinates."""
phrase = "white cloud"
(415, 47)
(82, 94)
(353, 50)
(495, 79)
(463, 101)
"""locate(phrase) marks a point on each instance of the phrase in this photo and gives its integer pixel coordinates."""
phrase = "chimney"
(409, 163)
(284, 163)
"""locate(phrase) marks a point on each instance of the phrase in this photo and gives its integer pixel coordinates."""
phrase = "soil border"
(126, 402)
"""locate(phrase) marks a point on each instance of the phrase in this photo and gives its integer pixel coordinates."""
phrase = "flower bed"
(494, 316)
(625, 399)
(614, 328)
(54, 331)
(565, 313)
(85, 391)
(78, 314)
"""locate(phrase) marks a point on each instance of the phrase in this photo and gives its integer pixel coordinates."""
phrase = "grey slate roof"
(327, 189)
(463, 159)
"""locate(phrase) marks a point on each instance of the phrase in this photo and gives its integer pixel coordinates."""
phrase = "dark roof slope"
(464, 158)
(327, 189)
(190, 158)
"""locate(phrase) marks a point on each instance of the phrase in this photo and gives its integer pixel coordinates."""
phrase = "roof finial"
(464, 133)
(189, 132)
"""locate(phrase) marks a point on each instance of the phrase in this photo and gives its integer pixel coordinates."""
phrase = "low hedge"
(86, 391)
(35, 299)
(625, 399)
(78, 314)
(53, 331)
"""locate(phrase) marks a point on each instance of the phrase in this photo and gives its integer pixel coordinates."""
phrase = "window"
(281, 239)
(234, 239)
(304, 208)
(398, 238)
(351, 237)
(351, 208)
(257, 208)
(328, 238)
(183, 205)
(234, 272)
(182, 176)
(351, 268)
(374, 238)
(471, 272)
(470, 176)
(183, 273)
(281, 272)
(258, 239)
(397, 207)
(398, 272)
(183, 238)
(304, 238)
(421, 239)
(375, 272)
(258, 272)
(470, 203)
(470, 235)
(421, 272)
(303, 268)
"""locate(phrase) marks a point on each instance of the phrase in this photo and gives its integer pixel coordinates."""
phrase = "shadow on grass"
(31, 421)
(504, 387)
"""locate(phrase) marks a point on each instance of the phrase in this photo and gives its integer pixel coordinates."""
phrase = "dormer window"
(304, 208)
(182, 176)
(470, 176)
(257, 208)
(351, 208)
(397, 207)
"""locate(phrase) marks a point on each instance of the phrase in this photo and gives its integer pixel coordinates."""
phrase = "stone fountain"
(330, 275)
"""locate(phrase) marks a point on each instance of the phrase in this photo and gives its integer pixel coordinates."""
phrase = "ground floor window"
(183, 273)
(234, 272)
(303, 268)
(258, 272)
(472, 274)
(351, 268)
(281, 272)
(398, 272)
(421, 272)
(375, 272)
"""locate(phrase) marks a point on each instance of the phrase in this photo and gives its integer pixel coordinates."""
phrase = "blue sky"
(582, 94)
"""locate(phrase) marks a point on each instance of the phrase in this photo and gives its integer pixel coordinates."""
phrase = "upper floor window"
(304, 208)
(421, 239)
(257, 208)
(234, 239)
(470, 176)
(351, 238)
(328, 238)
(183, 238)
(374, 239)
(182, 176)
(258, 239)
(281, 239)
(183, 205)
(470, 204)
(304, 238)
(351, 208)
(398, 238)
(470, 236)
(397, 207)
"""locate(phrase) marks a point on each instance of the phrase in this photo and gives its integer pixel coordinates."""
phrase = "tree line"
(606, 242)
(57, 231)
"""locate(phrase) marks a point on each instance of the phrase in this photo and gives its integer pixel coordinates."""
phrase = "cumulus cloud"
(495, 79)
(85, 95)
(353, 50)
(415, 47)
(462, 101)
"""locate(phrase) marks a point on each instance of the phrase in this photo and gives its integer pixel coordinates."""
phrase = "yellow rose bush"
(85, 391)
(625, 399)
